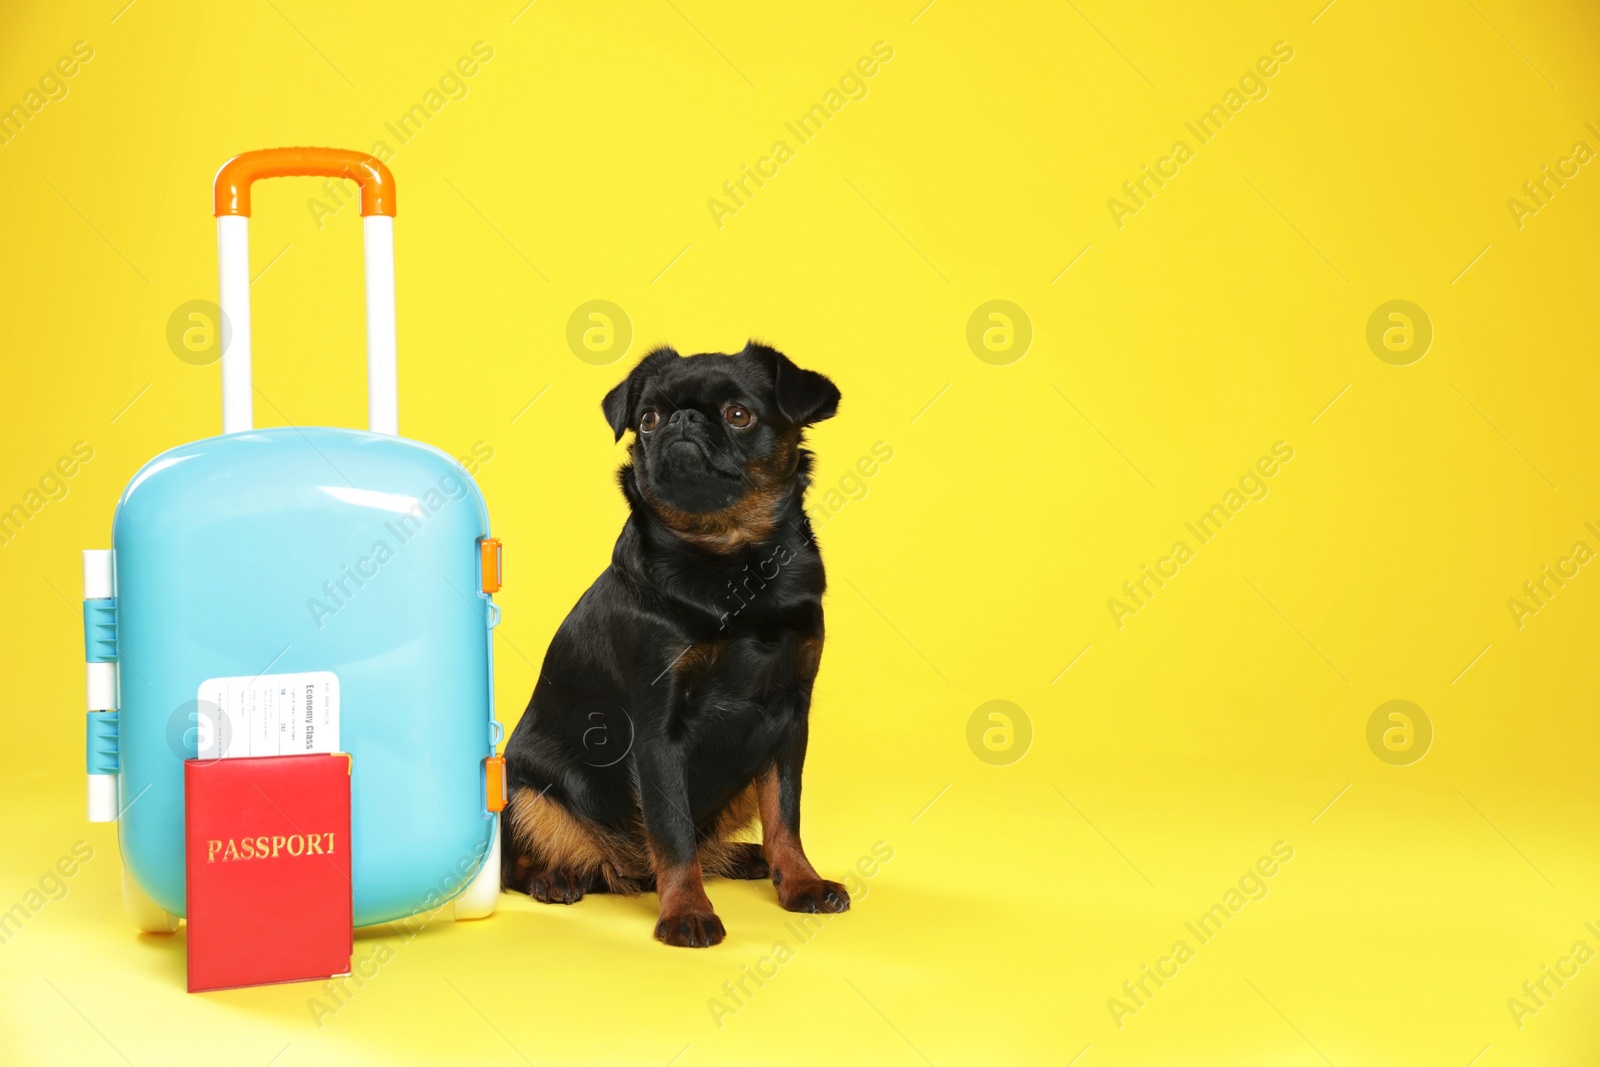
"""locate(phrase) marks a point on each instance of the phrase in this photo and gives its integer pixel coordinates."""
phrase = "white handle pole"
(383, 386)
(233, 285)
(233, 288)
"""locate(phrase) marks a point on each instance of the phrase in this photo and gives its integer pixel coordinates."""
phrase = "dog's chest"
(755, 684)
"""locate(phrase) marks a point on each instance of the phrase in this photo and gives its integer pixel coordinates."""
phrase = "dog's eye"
(649, 421)
(738, 416)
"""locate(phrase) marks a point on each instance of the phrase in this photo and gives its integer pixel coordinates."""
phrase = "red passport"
(267, 857)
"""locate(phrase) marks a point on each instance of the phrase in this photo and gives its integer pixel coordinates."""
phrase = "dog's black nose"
(685, 415)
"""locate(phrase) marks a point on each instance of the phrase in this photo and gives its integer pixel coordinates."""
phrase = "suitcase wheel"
(482, 894)
(146, 915)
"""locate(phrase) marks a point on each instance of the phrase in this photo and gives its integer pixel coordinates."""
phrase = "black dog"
(673, 703)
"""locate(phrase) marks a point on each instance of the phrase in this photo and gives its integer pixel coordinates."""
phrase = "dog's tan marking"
(751, 520)
(808, 657)
(697, 659)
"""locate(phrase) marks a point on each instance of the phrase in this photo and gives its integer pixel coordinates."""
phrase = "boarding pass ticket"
(269, 715)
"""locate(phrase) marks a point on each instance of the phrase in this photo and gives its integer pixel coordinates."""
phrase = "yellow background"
(1224, 316)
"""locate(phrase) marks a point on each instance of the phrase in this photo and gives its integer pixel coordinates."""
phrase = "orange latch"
(494, 783)
(489, 558)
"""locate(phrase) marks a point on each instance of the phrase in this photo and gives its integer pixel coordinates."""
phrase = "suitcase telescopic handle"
(232, 208)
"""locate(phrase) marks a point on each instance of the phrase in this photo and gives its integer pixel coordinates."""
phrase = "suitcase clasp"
(489, 563)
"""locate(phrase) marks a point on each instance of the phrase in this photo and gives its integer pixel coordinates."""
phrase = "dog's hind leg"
(555, 858)
(726, 858)
(746, 861)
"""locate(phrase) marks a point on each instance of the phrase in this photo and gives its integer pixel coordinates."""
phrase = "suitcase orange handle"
(231, 191)
(231, 200)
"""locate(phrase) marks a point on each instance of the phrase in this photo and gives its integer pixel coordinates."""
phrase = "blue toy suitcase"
(302, 589)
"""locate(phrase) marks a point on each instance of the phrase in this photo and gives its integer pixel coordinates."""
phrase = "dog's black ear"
(803, 396)
(618, 404)
(616, 407)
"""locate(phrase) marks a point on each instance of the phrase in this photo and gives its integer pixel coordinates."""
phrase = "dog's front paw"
(815, 895)
(691, 930)
(555, 887)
